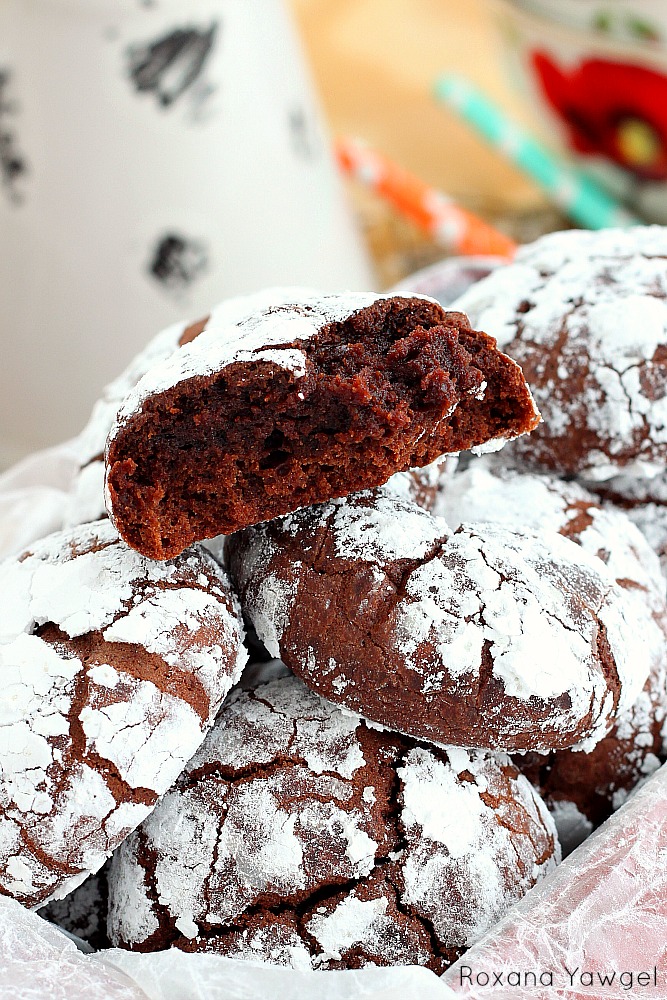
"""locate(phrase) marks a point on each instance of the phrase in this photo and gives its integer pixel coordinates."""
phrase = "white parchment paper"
(34, 497)
(172, 974)
(38, 962)
(603, 911)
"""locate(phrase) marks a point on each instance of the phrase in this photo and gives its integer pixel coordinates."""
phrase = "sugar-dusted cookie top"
(544, 504)
(585, 315)
(113, 669)
(645, 503)
(582, 789)
(299, 836)
(480, 637)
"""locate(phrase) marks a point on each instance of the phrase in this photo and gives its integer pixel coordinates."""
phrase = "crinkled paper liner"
(602, 913)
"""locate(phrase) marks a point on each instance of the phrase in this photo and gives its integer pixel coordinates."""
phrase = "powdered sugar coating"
(645, 503)
(266, 332)
(386, 611)
(628, 489)
(87, 494)
(592, 784)
(277, 942)
(546, 504)
(651, 520)
(487, 492)
(99, 717)
(353, 921)
(421, 485)
(585, 315)
(285, 859)
(372, 533)
(465, 817)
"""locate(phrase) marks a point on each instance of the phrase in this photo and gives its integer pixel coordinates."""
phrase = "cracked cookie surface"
(480, 637)
(113, 671)
(585, 315)
(299, 836)
(583, 789)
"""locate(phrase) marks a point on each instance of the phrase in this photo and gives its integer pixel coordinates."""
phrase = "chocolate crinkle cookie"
(299, 836)
(298, 403)
(86, 500)
(582, 789)
(585, 315)
(113, 668)
(544, 504)
(481, 637)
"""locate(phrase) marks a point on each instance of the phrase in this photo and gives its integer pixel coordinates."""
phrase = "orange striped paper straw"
(451, 226)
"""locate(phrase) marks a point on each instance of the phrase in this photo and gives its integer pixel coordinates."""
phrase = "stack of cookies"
(432, 649)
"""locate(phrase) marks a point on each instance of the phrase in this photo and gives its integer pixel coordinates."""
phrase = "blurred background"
(155, 159)
(374, 63)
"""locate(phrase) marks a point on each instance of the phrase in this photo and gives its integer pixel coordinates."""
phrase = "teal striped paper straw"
(578, 195)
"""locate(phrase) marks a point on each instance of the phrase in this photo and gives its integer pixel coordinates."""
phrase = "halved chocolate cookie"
(299, 403)
(86, 502)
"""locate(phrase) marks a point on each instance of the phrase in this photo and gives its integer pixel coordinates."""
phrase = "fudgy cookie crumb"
(86, 501)
(297, 404)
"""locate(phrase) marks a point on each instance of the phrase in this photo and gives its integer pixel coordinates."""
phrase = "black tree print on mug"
(173, 64)
(177, 261)
(303, 133)
(12, 163)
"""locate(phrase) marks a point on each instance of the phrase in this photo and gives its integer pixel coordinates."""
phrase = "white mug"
(154, 159)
